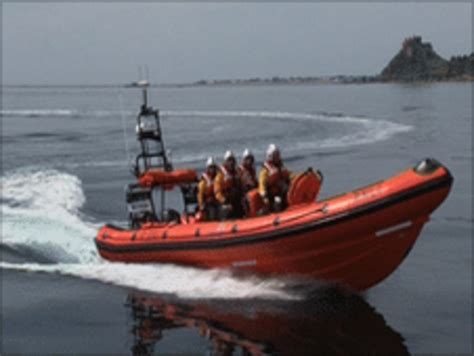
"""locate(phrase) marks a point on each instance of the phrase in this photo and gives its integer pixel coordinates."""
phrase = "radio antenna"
(122, 114)
(140, 74)
(144, 85)
(147, 77)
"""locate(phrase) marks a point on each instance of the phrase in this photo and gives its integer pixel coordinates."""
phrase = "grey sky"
(52, 43)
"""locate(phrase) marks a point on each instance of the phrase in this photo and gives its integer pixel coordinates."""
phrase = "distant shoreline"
(317, 81)
(339, 80)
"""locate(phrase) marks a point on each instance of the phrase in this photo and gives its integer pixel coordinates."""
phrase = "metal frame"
(148, 159)
(156, 159)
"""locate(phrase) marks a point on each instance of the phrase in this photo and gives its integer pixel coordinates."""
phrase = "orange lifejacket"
(278, 179)
(230, 186)
(248, 178)
(209, 196)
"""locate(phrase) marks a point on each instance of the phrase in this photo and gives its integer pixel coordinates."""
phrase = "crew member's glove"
(278, 203)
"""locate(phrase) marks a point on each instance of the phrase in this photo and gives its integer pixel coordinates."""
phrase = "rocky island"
(418, 61)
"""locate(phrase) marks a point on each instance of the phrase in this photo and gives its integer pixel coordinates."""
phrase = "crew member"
(274, 180)
(248, 180)
(208, 206)
(247, 173)
(228, 188)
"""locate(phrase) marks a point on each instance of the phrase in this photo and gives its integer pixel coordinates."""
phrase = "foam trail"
(39, 113)
(187, 113)
(370, 130)
(41, 216)
(366, 131)
(41, 210)
(283, 115)
(181, 281)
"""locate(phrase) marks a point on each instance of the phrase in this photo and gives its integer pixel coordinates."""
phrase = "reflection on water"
(330, 321)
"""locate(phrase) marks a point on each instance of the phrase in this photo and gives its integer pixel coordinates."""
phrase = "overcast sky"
(92, 43)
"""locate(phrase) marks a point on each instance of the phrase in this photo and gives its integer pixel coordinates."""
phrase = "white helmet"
(247, 153)
(210, 162)
(229, 154)
(271, 150)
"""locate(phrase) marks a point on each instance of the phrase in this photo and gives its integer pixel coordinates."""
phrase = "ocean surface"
(66, 156)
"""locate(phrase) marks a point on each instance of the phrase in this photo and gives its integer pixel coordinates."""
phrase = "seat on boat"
(304, 189)
(189, 192)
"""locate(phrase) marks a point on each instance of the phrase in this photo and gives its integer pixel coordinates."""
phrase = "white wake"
(363, 130)
(41, 212)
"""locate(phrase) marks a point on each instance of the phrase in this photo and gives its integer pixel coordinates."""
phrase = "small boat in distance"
(355, 239)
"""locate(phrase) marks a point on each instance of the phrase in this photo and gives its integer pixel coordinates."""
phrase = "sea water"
(66, 156)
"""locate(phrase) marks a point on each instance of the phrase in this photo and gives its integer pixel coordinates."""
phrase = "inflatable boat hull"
(356, 239)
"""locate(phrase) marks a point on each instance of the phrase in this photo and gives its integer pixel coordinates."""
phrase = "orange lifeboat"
(356, 239)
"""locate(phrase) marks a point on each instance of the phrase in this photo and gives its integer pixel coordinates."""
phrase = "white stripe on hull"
(394, 228)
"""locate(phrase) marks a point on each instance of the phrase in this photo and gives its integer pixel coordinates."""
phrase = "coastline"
(240, 83)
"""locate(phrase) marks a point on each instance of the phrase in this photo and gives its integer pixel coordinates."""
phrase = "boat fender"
(157, 177)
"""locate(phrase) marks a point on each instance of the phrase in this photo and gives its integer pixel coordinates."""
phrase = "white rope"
(122, 114)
